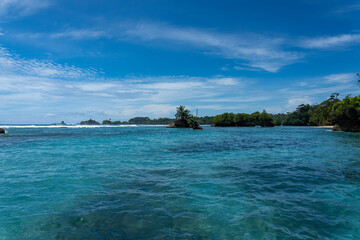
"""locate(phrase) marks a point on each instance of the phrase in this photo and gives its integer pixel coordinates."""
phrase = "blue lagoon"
(150, 182)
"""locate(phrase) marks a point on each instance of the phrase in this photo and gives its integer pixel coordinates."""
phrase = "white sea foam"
(76, 126)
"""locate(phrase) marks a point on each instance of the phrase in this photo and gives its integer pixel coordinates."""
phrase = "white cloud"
(327, 42)
(341, 78)
(81, 34)
(237, 99)
(294, 102)
(14, 8)
(39, 86)
(301, 84)
(11, 63)
(53, 87)
(257, 52)
(225, 81)
(95, 87)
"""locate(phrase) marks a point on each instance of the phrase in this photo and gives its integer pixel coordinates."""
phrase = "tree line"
(333, 111)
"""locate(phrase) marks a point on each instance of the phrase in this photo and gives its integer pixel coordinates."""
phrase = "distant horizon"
(171, 117)
(120, 59)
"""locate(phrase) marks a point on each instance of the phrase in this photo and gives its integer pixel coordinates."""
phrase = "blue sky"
(72, 60)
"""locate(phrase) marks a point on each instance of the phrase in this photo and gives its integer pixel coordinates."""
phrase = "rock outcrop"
(346, 128)
(185, 124)
(179, 124)
(196, 126)
(2, 131)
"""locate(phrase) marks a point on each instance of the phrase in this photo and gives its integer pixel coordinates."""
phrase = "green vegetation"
(146, 120)
(183, 114)
(333, 111)
(204, 120)
(346, 114)
(183, 119)
(243, 120)
(89, 122)
(109, 122)
(322, 114)
(300, 117)
(309, 115)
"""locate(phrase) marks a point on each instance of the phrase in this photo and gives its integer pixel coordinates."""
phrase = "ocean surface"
(142, 182)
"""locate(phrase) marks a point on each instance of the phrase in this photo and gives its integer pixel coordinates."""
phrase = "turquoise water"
(158, 183)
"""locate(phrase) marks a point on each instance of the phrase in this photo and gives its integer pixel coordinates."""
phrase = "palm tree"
(182, 113)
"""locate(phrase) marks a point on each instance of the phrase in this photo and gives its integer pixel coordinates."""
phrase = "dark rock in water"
(2, 131)
(346, 127)
(179, 124)
(196, 126)
(336, 128)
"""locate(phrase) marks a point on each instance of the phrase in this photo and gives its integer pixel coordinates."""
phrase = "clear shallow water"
(158, 183)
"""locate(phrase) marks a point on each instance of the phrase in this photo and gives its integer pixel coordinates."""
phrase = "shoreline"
(329, 127)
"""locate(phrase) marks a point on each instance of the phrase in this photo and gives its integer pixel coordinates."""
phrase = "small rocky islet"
(183, 119)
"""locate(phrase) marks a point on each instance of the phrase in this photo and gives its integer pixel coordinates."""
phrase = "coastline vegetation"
(333, 111)
(89, 122)
(243, 120)
(157, 121)
(344, 114)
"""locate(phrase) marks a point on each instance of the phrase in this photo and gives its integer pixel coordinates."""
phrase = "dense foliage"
(146, 120)
(109, 122)
(344, 113)
(182, 113)
(243, 120)
(309, 115)
(89, 122)
(347, 114)
(300, 117)
(141, 120)
(322, 114)
(204, 120)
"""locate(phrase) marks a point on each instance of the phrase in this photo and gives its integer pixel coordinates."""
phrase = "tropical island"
(183, 119)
